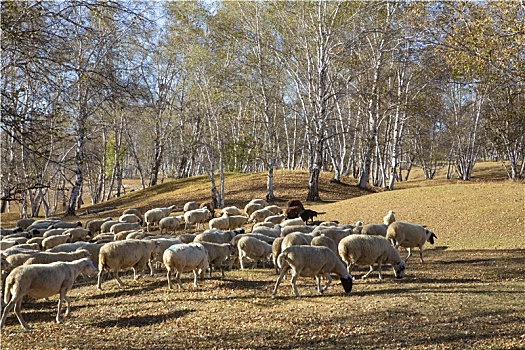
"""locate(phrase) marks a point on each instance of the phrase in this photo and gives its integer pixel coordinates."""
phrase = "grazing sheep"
(335, 233)
(215, 236)
(138, 235)
(187, 237)
(259, 215)
(286, 230)
(54, 232)
(7, 232)
(63, 224)
(42, 224)
(93, 248)
(295, 203)
(254, 249)
(296, 238)
(275, 219)
(277, 210)
(407, 235)
(270, 232)
(217, 254)
(106, 226)
(259, 201)
(131, 218)
(77, 234)
(119, 255)
(293, 212)
(236, 221)
(323, 241)
(49, 257)
(94, 226)
(220, 223)
(153, 216)
(103, 238)
(24, 223)
(369, 250)
(169, 224)
(358, 228)
(208, 205)
(19, 258)
(164, 243)
(263, 224)
(185, 258)
(309, 261)
(6, 244)
(37, 240)
(190, 206)
(53, 241)
(232, 210)
(30, 246)
(389, 218)
(251, 207)
(293, 222)
(134, 211)
(43, 281)
(124, 226)
(196, 216)
(374, 230)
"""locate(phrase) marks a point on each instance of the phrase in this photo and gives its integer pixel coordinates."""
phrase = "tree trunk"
(270, 197)
(79, 160)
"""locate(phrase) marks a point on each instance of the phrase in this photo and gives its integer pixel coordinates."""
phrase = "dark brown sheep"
(295, 203)
(293, 212)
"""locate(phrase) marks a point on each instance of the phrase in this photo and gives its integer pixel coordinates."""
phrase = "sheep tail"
(281, 259)
(7, 292)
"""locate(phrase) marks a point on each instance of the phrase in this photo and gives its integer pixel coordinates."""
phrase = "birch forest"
(94, 92)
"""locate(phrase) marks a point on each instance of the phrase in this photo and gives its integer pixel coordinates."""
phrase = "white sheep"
(185, 258)
(293, 222)
(124, 226)
(77, 234)
(270, 232)
(131, 218)
(334, 233)
(190, 206)
(37, 240)
(215, 236)
(310, 261)
(259, 215)
(119, 255)
(407, 235)
(53, 232)
(236, 221)
(106, 226)
(63, 224)
(53, 241)
(276, 250)
(93, 248)
(6, 244)
(275, 219)
(274, 209)
(134, 211)
(285, 231)
(296, 238)
(49, 257)
(259, 201)
(374, 230)
(169, 224)
(368, 251)
(232, 210)
(263, 224)
(196, 216)
(324, 241)
(187, 237)
(94, 225)
(251, 207)
(43, 281)
(254, 249)
(30, 246)
(153, 216)
(217, 254)
(42, 224)
(220, 223)
(164, 243)
(389, 218)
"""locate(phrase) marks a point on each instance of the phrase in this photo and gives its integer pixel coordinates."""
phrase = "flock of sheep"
(44, 258)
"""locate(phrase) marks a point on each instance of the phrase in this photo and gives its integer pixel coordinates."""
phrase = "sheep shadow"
(140, 321)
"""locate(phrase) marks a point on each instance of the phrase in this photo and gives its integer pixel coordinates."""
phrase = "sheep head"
(347, 282)
(399, 269)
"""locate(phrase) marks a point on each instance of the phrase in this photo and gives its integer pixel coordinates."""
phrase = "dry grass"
(468, 294)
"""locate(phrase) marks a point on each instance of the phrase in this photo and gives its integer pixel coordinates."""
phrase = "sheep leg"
(379, 270)
(8, 308)
(240, 259)
(284, 269)
(18, 313)
(329, 278)
(195, 277)
(179, 275)
(420, 255)
(99, 281)
(120, 283)
(409, 254)
(169, 280)
(368, 273)
(295, 275)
